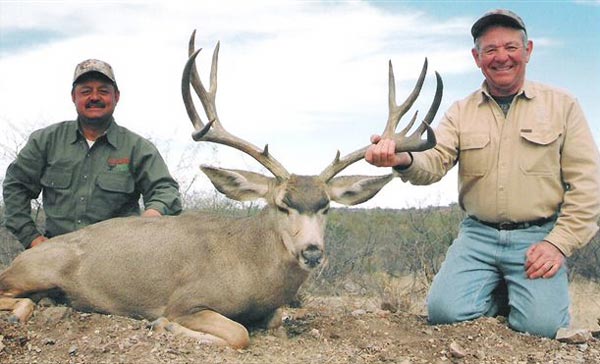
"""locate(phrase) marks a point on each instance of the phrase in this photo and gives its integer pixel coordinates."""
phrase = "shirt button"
(79, 221)
(82, 198)
(501, 188)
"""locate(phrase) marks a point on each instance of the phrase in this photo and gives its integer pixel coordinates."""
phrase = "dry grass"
(585, 304)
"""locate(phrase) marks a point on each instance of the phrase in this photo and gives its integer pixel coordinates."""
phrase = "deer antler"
(213, 131)
(411, 143)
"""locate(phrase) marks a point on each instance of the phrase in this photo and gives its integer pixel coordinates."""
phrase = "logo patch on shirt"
(118, 164)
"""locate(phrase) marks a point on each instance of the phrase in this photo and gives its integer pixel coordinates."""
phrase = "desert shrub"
(367, 248)
(9, 246)
(363, 243)
(585, 262)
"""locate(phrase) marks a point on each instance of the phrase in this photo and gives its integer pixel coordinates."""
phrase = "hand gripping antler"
(411, 143)
(213, 131)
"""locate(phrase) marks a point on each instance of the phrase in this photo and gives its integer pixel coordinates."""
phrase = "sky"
(307, 78)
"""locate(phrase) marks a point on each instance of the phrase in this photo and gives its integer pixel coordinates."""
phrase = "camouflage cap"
(94, 65)
(497, 17)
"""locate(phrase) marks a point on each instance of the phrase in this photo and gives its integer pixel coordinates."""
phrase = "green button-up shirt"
(82, 185)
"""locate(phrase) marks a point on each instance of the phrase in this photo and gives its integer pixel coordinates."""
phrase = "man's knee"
(539, 325)
(440, 311)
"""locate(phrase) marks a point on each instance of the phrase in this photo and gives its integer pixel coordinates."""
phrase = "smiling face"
(502, 56)
(95, 98)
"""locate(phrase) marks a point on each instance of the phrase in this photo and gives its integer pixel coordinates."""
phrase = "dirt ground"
(347, 329)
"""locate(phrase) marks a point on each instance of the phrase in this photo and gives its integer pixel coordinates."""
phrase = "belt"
(514, 225)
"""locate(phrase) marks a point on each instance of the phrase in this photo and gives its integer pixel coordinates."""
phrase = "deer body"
(204, 275)
(176, 265)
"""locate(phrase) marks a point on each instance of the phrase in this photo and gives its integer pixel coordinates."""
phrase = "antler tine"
(205, 97)
(339, 164)
(196, 121)
(397, 112)
(200, 128)
(213, 131)
(412, 143)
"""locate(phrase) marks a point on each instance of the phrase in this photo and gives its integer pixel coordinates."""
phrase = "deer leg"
(29, 273)
(11, 287)
(164, 325)
(15, 283)
(208, 327)
(272, 324)
(21, 308)
(274, 321)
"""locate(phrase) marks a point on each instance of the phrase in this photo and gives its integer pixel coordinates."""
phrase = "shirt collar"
(110, 133)
(527, 91)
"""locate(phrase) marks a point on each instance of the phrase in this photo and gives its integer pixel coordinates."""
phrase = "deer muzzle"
(312, 256)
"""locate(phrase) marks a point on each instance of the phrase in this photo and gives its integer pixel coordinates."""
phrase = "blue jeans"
(483, 259)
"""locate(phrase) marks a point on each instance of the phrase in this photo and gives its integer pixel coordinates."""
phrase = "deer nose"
(312, 256)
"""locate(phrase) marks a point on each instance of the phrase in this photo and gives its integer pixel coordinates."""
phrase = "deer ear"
(352, 190)
(238, 185)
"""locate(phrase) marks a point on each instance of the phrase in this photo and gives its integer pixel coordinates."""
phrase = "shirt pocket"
(59, 178)
(116, 182)
(115, 193)
(540, 152)
(56, 183)
(474, 149)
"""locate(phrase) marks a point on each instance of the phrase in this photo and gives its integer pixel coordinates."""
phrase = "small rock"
(46, 302)
(48, 341)
(73, 350)
(353, 288)
(456, 350)
(389, 306)
(479, 354)
(53, 315)
(359, 312)
(573, 336)
(382, 313)
(300, 314)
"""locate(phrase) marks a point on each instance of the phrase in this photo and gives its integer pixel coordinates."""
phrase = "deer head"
(297, 204)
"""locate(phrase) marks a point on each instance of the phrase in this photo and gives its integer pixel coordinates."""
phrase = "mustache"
(95, 104)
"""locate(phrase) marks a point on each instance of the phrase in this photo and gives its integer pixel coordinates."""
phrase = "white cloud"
(307, 78)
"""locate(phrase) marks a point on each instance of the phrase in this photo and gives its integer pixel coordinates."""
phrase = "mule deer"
(199, 274)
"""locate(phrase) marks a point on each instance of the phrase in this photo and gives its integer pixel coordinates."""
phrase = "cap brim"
(494, 19)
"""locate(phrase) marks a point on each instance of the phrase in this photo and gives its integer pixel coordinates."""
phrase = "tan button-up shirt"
(537, 161)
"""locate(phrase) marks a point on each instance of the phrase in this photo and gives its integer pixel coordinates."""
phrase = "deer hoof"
(161, 324)
(23, 310)
(14, 320)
